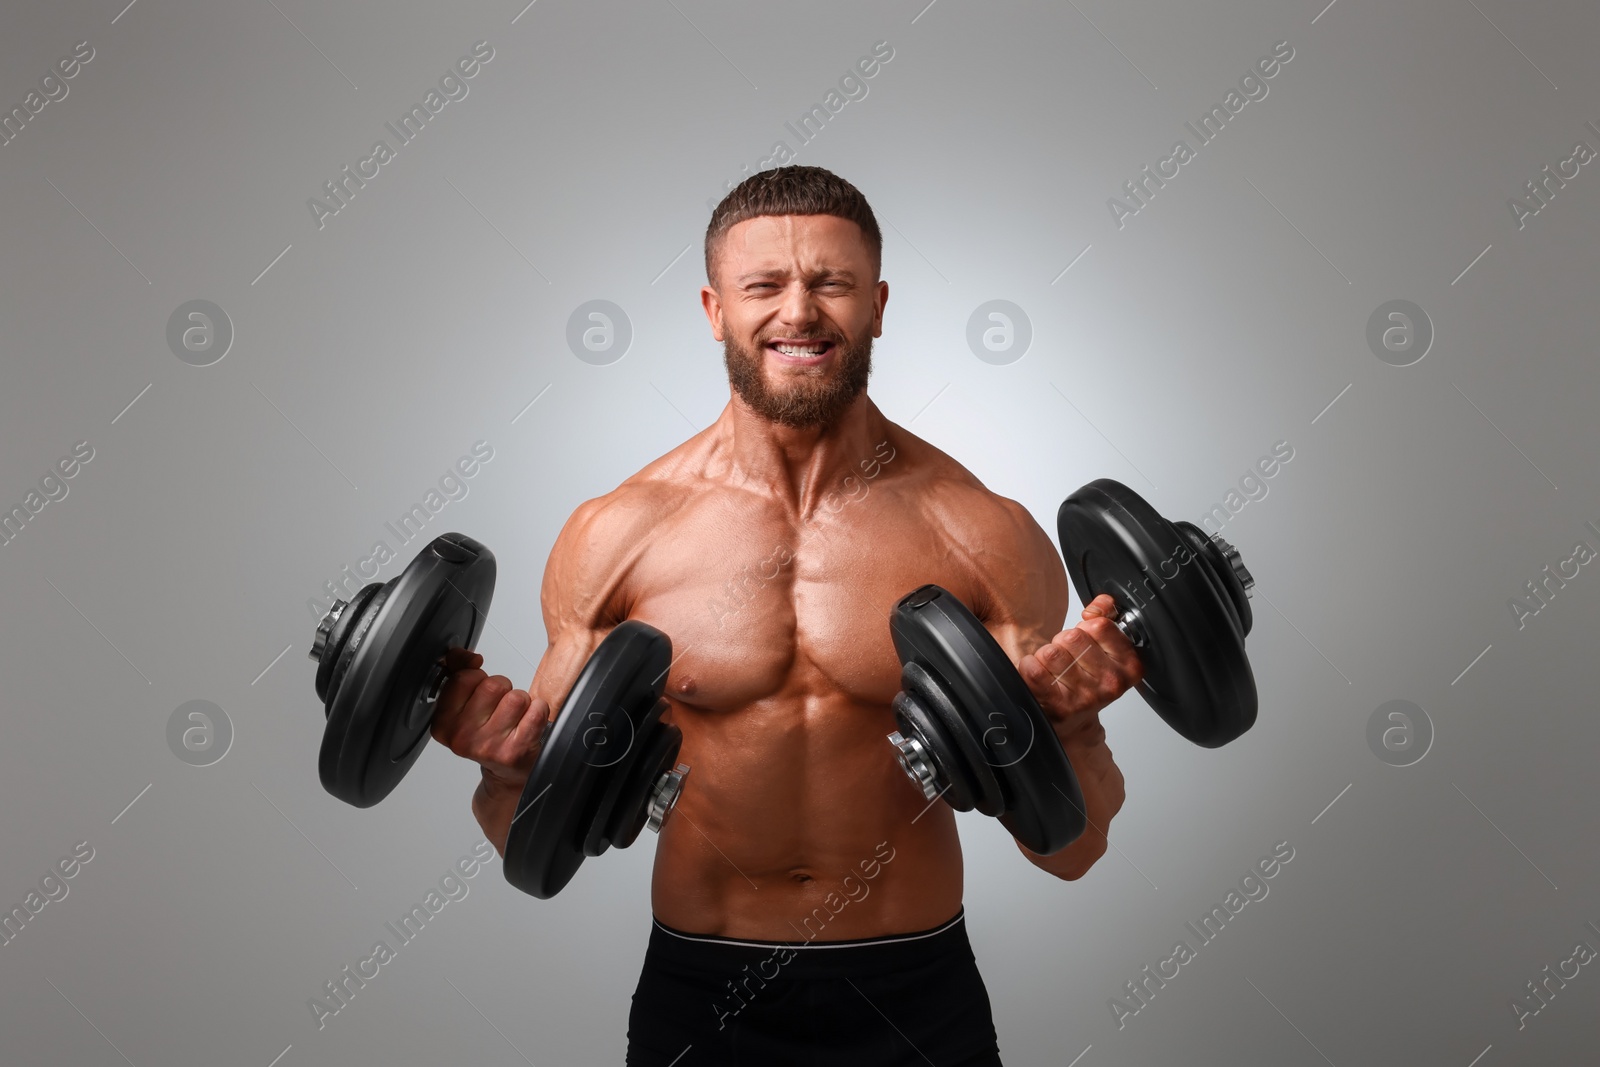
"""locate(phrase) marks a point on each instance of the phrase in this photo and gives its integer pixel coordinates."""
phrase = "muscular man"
(807, 899)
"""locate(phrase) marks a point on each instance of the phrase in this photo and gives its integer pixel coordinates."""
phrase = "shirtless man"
(807, 898)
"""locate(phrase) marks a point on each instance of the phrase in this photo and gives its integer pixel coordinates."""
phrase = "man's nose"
(799, 306)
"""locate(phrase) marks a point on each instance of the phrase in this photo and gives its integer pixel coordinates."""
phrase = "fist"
(483, 718)
(1082, 670)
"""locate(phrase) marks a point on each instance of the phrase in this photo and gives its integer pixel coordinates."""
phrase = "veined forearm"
(1101, 782)
(493, 805)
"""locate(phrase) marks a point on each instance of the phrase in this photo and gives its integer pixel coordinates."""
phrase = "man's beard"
(807, 398)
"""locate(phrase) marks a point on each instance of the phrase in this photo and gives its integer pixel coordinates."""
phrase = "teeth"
(801, 350)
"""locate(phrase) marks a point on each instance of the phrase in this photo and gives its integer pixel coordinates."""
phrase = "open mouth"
(801, 351)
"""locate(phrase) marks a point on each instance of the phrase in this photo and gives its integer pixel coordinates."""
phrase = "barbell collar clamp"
(1241, 572)
(319, 645)
(664, 796)
(917, 763)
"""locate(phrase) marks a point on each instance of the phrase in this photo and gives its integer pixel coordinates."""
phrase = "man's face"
(796, 306)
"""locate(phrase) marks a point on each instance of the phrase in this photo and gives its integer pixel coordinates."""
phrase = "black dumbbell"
(970, 729)
(1184, 601)
(606, 766)
(379, 664)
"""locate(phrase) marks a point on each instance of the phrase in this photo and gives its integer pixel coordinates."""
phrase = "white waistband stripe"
(809, 944)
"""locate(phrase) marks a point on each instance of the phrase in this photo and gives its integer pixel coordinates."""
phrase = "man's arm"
(1073, 673)
(1082, 736)
(483, 718)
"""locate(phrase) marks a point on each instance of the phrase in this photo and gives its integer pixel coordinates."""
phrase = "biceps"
(561, 665)
(1019, 639)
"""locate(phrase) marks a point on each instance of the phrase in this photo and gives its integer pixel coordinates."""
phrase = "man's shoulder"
(598, 545)
(959, 498)
(624, 513)
(1009, 567)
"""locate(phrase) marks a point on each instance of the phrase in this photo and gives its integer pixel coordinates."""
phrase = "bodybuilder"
(807, 899)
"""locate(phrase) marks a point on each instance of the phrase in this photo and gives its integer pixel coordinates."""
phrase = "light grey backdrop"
(1171, 348)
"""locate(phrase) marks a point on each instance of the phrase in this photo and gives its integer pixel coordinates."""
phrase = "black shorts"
(911, 999)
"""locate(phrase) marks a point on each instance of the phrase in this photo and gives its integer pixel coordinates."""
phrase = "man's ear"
(712, 304)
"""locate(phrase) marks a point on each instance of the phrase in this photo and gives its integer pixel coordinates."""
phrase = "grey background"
(1224, 317)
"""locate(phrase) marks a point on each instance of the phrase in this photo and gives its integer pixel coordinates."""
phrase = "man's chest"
(761, 607)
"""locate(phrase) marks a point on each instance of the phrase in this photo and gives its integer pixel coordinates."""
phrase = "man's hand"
(1073, 677)
(486, 720)
(1082, 670)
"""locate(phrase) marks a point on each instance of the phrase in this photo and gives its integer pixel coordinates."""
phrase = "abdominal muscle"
(797, 824)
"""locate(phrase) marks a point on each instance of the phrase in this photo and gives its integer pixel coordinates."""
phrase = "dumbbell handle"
(1131, 623)
(433, 685)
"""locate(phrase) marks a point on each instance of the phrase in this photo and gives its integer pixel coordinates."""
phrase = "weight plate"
(1227, 578)
(1196, 674)
(600, 749)
(378, 711)
(657, 756)
(915, 720)
(932, 628)
(972, 781)
(573, 777)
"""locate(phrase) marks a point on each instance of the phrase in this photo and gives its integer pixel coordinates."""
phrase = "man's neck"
(797, 465)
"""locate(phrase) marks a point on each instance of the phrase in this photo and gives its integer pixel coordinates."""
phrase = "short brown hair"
(792, 190)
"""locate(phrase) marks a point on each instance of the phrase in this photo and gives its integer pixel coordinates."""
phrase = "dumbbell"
(969, 727)
(607, 765)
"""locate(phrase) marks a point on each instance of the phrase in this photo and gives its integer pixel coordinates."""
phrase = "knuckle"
(460, 686)
(487, 695)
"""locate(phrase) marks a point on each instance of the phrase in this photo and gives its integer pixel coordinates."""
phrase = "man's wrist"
(493, 787)
(1083, 738)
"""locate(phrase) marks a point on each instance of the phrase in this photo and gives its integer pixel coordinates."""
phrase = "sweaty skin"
(771, 555)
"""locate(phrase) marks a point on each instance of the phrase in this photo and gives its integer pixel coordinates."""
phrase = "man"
(807, 898)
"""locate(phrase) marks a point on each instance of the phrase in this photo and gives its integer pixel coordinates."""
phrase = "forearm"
(1101, 783)
(493, 805)
(500, 744)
